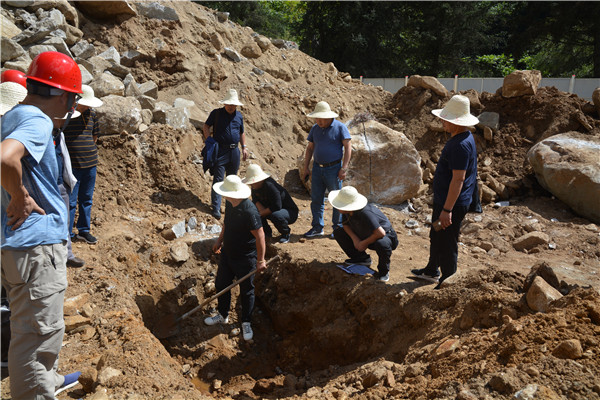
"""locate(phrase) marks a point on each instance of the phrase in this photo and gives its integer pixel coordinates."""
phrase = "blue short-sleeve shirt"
(31, 127)
(328, 142)
(459, 153)
(229, 127)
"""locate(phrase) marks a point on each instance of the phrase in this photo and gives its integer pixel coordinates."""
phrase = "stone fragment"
(487, 133)
(179, 252)
(521, 83)
(10, 49)
(446, 348)
(88, 378)
(108, 373)
(147, 102)
(73, 35)
(505, 382)
(568, 349)
(119, 114)
(533, 391)
(222, 16)
(75, 321)
(38, 49)
(8, 29)
(72, 304)
(107, 84)
(59, 44)
(232, 54)
(217, 41)
(129, 57)
(541, 294)
(251, 50)
(95, 65)
(530, 240)
(119, 70)
(146, 117)
(83, 49)
(67, 10)
(263, 42)
(100, 9)
(149, 88)
(156, 10)
(50, 22)
(111, 54)
(19, 3)
(428, 82)
(86, 77)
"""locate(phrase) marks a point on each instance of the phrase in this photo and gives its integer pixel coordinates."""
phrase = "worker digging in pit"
(242, 248)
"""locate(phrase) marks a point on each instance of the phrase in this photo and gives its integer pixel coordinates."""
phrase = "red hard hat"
(12, 75)
(57, 70)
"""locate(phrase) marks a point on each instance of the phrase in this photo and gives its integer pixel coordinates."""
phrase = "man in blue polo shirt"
(228, 131)
(454, 181)
(329, 144)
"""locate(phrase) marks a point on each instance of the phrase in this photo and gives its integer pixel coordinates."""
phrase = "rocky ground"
(319, 332)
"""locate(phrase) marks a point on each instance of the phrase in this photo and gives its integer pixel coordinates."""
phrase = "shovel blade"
(166, 327)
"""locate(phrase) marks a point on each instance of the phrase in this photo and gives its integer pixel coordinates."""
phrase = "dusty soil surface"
(319, 332)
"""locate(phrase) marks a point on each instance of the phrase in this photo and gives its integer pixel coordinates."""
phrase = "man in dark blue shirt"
(364, 226)
(273, 202)
(454, 181)
(228, 131)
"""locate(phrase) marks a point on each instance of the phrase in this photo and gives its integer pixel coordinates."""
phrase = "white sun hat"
(233, 187)
(254, 174)
(11, 94)
(232, 98)
(88, 98)
(75, 115)
(322, 110)
(347, 199)
(457, 111)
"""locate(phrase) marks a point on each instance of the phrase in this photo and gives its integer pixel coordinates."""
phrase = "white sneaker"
(217, 319)
(247, 331)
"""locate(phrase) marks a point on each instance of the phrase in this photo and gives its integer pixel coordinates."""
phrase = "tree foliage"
(468, 38)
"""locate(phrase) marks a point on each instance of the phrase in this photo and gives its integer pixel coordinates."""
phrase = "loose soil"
(319, 332)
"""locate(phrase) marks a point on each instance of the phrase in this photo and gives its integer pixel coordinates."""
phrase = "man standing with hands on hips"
(454, 181)
(329, 144)
(228, 131)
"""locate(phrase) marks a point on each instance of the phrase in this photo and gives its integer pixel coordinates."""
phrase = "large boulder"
(428, 82)
(567, 166)
(119, 114)
(385, 166)
(521, 83)
(106, 9)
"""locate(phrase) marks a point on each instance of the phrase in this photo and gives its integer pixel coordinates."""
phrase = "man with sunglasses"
(34, 228)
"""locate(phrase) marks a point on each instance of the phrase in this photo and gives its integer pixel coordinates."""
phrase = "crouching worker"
(364, 227)
(273, 202)
(242, 247)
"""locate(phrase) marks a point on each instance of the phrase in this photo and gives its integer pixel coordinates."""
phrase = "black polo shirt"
(364, 221)
(238, 240)
(273, 196)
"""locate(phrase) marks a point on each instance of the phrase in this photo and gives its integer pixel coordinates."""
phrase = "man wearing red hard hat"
(34, 227)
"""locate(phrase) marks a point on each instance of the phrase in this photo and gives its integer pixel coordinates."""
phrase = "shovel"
(169, 326)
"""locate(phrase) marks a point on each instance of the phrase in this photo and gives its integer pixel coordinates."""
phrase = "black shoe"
(312, 232)
(425, 275)
(284, 238)
(216, 213)
(75, 262)
(87, 237)
(359, 261)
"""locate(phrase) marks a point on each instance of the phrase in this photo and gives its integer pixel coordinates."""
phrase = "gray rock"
(217, 41)
(37, 32)
(9, 29)
(179, 229)
(111, 54)
(157, 11)
(107, 84)
(147, 102)
(107, 9)
(505, 382)
(19, 3)
(428, 82)
(10, 49)
(214, 229)
(263, 42)
(490, 119)
(146, 116)
(284, 44)
(28, 20)
(107, 374)
(38, 49)
(83, 49)
(59, 44)
(86, 77)
(222, 16)
(179, 252)
(541, 294)
(174, 117)
(67, 10)
(119, 114)
(258, 71)
(129, 57)
(251, 50)
(58, 33)
(119, 70)
(74, 34)
(149, 88)
(232, 54)
(567, 166)
(521, 83)
(192, 223)
(95, 65)
(20, 64)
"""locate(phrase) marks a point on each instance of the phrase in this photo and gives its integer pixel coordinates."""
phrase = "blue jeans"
(82, 193)
(324, 179)
(227, 163)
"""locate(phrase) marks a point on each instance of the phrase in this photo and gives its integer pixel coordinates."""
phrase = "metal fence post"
(455, 83)
(572, 83)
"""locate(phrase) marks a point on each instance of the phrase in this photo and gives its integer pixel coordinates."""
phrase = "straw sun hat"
(11, 94)
(232, 98)
(457, 111)
(254, 174)
(322, 110)
(347, 199)
(88, 98)
(232, 187)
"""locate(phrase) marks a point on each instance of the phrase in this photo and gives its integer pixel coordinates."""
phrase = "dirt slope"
(320, 333)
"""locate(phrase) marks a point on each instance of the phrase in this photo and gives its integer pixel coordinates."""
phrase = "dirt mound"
(319, 332)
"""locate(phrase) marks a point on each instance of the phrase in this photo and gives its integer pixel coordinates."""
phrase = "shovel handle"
(228, 288)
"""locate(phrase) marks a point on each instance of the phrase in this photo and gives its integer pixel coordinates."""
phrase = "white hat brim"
(254, 179)
(230, 102)
(91, 102)
(359, 203)
(463, 120)
(323, 114)
(242, 193)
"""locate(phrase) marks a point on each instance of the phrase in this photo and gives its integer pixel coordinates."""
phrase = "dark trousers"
(443, 250)
(229, 269)
(228, 163)
(383, 247)
(282, 219)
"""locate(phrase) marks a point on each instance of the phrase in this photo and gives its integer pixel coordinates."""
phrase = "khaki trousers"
(35, 281)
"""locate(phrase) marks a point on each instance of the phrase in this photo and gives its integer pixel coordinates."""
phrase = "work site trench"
(319, 328)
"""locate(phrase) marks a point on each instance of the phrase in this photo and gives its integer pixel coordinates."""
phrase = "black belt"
(329, 164)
